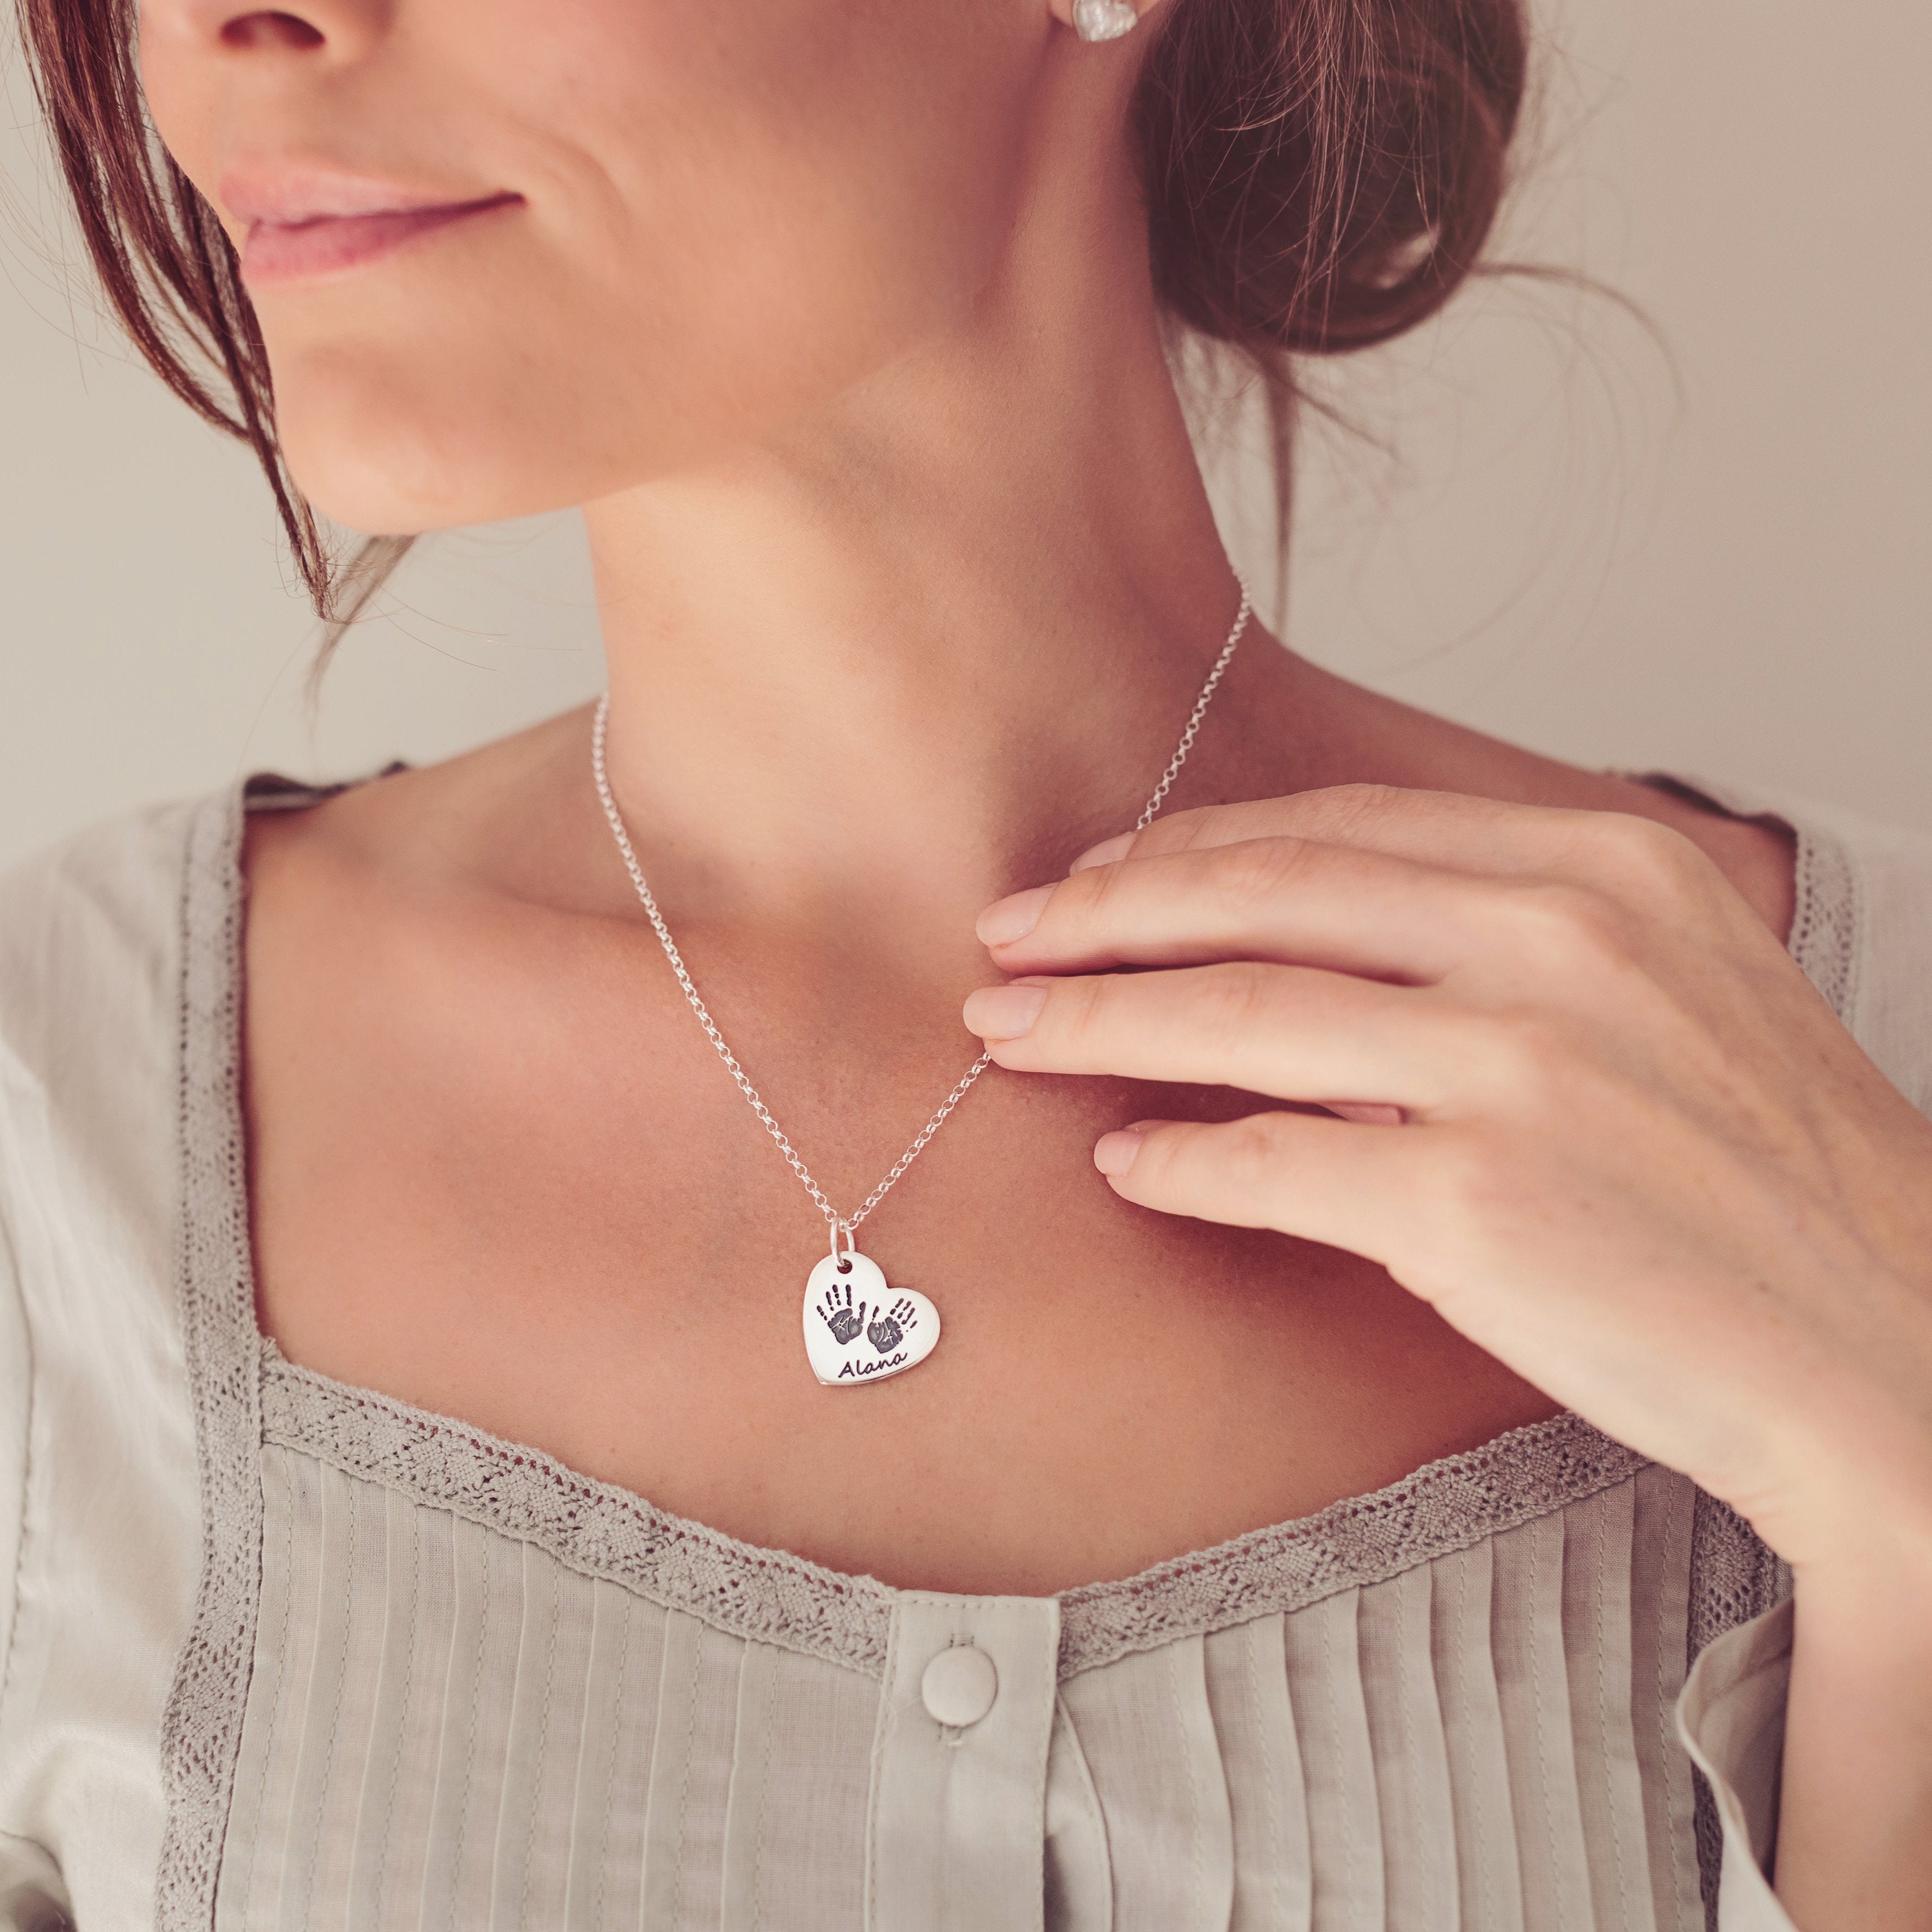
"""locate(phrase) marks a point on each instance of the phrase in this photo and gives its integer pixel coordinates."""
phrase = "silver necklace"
(857, 1330)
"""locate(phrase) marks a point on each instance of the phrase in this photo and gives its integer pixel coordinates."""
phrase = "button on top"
(959, 1686)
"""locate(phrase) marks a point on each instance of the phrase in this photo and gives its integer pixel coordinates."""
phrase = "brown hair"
(1320, 175)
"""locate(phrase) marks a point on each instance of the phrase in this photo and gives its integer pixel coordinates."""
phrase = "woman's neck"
(930, 643)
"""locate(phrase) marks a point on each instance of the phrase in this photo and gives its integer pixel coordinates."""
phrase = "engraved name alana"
(869, 1368)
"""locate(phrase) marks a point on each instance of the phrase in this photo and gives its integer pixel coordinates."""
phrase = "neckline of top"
(602, 1529)
(248, 1392)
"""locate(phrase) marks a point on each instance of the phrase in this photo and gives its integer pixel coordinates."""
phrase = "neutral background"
(1701, 549)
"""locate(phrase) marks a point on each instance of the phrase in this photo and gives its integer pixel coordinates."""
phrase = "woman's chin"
(408, 486)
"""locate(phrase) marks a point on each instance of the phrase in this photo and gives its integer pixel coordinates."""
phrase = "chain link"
(846, 1223)
(1200, 711)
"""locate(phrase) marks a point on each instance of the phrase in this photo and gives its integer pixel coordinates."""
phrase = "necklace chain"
(840, 1223)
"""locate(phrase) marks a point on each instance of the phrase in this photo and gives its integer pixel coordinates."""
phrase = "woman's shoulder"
(107, 939)
(91, 985)
(102, 1515)
(90, 952)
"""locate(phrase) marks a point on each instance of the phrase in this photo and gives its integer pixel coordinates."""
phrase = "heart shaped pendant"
(857, 1330)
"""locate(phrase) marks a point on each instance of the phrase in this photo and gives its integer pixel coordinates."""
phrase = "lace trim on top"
(773, 1597)
(768, 1595)
(1442, 1507)
(201, 1723)
(1825, 923)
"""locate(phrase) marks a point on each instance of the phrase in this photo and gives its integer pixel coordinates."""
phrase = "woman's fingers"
(1293, 1032)
(1287, 899)
(1298, 1173)
(1614, 851)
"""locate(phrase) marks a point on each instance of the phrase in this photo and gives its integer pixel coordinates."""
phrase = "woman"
(1411, 1405)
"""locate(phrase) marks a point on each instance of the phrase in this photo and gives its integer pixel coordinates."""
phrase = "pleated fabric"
(447, 1730)
(1464, 1745)
(448, 1727)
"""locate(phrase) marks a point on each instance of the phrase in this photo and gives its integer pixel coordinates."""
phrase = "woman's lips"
(329, 245)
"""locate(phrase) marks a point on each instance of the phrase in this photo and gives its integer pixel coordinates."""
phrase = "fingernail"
(1104, 853)
(1013, 917)
(1113, 1154)
(1004, 1012)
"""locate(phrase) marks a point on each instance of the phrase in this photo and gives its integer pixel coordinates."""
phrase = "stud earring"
(1104, 19)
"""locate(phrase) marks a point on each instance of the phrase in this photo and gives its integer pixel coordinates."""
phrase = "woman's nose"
(263, 30)
(340, 27)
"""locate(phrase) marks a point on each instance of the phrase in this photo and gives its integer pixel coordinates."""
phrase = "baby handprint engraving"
(834, 1308)
(885, 1332)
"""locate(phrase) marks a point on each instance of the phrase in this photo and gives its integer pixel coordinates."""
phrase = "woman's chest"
(617, 1273)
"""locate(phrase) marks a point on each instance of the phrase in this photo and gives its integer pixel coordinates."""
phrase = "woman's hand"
(1604, 1125)
(1598, 1118)
(1636, 1157)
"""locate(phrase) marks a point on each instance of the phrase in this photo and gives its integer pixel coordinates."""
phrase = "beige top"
(283, 1653)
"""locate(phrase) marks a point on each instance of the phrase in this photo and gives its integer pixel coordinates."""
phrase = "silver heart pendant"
(1104, 19)
(858, 1330)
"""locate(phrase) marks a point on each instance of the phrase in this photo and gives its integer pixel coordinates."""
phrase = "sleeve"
(1730, 1717)
(1890, 1006)
(32, 1898)
(15, 1415)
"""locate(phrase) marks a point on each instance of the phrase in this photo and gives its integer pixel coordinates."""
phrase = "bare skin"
(617, 1280)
